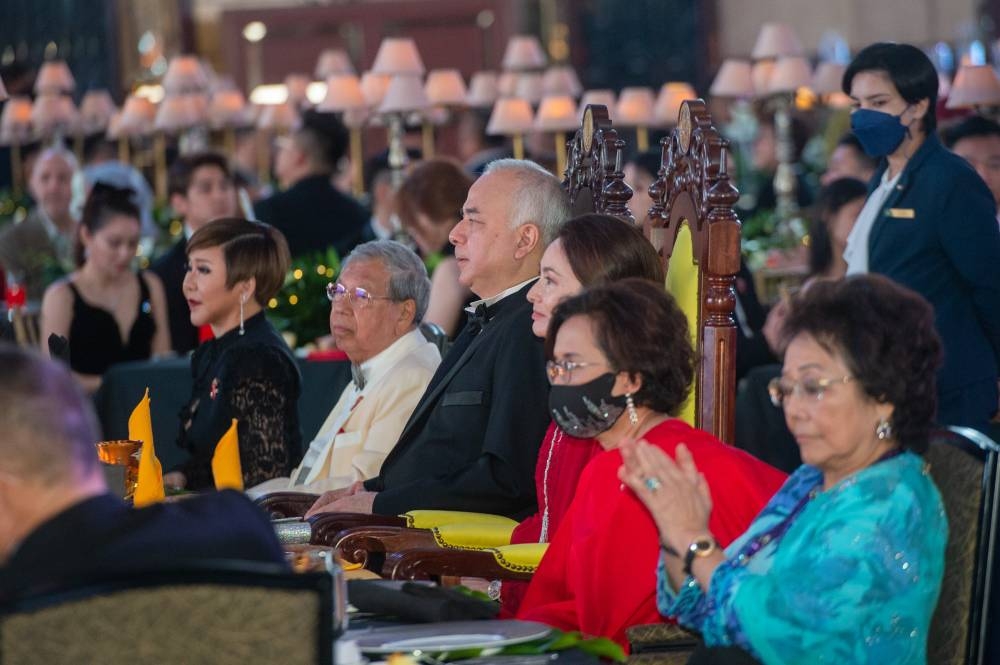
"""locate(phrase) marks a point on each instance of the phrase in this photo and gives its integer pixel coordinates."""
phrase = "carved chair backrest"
(693, 226)
(594, 180)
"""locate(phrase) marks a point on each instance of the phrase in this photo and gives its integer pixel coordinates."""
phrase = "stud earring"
(243, 300)
(633, 416)
(883, 430)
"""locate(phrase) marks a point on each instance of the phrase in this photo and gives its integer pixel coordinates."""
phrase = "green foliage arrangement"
(301, 307)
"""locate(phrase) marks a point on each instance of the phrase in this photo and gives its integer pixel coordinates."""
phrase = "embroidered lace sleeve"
(262, 395)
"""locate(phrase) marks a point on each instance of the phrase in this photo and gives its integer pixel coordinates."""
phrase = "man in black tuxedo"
(201, 189)
(472, 441)
(310, 211)
(59, 524)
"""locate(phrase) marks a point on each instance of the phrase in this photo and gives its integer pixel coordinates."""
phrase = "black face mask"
(586, 410)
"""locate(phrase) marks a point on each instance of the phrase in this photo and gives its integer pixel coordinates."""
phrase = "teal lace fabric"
(854, 579)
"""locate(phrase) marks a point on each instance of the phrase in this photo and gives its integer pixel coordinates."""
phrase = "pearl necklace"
(557, 436)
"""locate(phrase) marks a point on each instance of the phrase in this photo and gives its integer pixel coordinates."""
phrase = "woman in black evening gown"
(107, 312)
(247, 372)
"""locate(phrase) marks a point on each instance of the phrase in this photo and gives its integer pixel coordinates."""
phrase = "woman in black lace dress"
(247, 372)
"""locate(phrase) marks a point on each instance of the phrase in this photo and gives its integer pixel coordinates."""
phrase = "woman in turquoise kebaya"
(844, 564)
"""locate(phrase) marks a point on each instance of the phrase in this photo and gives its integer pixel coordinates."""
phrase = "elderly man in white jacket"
(376, 306)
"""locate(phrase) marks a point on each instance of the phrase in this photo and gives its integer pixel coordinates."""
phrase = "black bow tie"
(478, 318)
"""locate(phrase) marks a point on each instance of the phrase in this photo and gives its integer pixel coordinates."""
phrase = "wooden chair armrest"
(326, 526)
(356, 544)
(280, 505)
(435, 562)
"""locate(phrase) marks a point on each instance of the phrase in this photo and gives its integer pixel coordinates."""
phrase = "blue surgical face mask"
(878, 132)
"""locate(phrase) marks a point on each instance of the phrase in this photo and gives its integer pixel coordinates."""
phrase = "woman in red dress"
(590, 250)
(616, 376)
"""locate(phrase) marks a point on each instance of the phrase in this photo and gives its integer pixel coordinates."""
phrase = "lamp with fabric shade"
(179, 112)
(734, 79)
(15, 121)
(760, 75)
(331, 62)
(404, 95)
(776, 40)
(668, 102)
(398, 55)
(790, 74)
(602, 97)
(344, 95)
(483, 90)
(445, 87)
(53, 114)
(134, 119)
(635, 109)
(512, 117)
(137, 116)
(561, 80)
(96, 109)
(15, 130)
(54, 78)
(557, 114)
(185, 75)
(374, 87)
(974, 86)
(523, 52)
(529, 86)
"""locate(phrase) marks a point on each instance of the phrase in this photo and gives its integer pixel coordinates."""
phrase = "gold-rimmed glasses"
(812, 388)
(561, 371)
(357, 295)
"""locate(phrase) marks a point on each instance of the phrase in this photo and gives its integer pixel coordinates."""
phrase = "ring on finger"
(652, 483)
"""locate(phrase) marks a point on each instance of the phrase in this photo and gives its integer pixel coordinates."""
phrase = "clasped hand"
(352, 499)
(674, 491)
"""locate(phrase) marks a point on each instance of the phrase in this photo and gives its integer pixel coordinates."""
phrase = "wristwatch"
(701, 547)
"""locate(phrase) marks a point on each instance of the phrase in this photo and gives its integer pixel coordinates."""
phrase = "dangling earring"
(243, 299)
(883, 430)
(633, 416)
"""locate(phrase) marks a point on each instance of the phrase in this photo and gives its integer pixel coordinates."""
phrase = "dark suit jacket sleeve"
(262, 210)
(501, 480)
(972, 242)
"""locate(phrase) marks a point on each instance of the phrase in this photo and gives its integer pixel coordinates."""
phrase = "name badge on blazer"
(901, 213)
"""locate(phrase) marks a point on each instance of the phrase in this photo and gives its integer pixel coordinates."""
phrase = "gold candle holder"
(122, 452)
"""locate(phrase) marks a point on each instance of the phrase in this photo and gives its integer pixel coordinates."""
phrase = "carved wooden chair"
(693, 226)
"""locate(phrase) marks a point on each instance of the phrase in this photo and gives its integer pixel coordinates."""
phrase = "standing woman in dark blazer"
(929, 224)
(247, 372)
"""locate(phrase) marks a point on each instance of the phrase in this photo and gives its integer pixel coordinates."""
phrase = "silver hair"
(66, 154)
(407, 274)
(538, 199)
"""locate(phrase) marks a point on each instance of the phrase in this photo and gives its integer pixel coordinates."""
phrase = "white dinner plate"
(447, 636)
